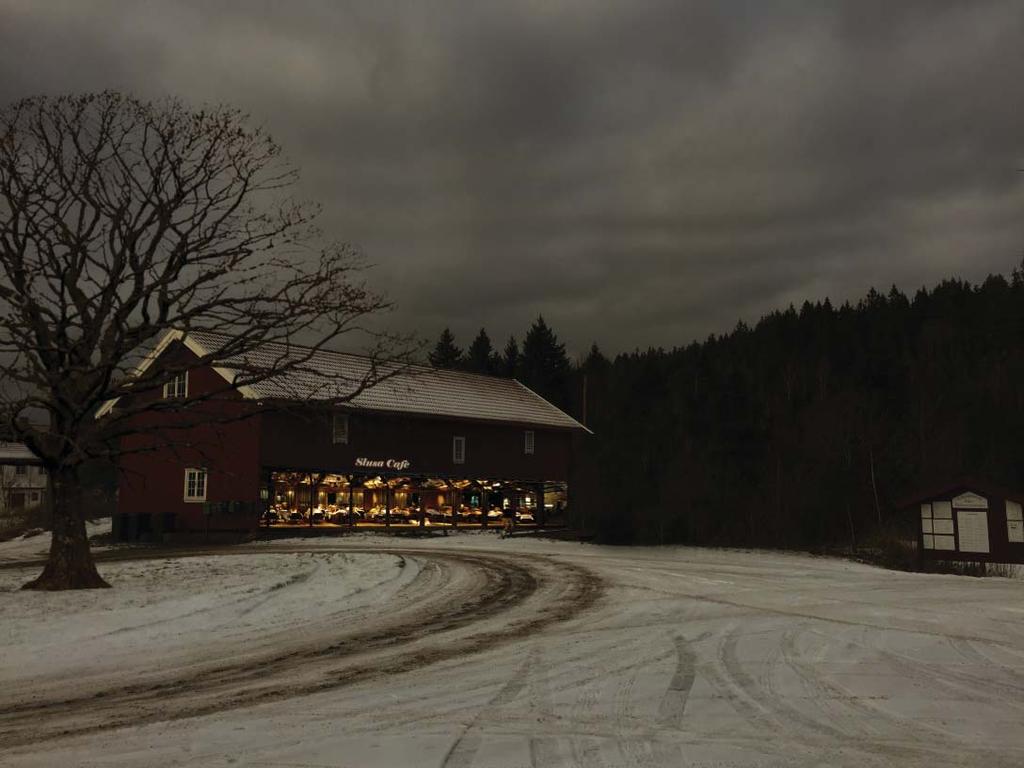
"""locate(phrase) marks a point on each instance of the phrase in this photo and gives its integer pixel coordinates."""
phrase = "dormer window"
(177, 387)
(340, 429)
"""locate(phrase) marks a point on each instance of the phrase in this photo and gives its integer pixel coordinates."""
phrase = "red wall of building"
(494, 451)
(222, 438)
(236, 451)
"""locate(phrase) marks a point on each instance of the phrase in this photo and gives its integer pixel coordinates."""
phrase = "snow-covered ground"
(36, 544)
(474, 651)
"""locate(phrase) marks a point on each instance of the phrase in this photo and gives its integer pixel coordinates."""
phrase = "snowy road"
(469, 651)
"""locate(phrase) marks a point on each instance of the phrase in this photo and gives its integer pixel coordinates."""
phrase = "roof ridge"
(423, 366)
(412, 388)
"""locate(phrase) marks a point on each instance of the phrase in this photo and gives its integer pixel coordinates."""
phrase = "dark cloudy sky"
(642, 173)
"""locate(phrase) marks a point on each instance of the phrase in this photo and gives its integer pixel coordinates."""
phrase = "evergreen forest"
(806, 430)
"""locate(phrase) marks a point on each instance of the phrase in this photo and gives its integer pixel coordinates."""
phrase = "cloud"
(639, 173)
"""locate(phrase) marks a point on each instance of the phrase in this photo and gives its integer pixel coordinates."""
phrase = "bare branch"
(121, 219)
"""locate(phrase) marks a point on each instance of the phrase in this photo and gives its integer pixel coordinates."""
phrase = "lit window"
(177, 387)
(459, 450)
(340, 428)
(528, 441)
(195, 484)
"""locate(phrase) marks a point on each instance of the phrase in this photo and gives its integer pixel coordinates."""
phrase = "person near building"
(508, 520)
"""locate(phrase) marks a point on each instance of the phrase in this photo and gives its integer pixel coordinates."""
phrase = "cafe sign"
(396, 465)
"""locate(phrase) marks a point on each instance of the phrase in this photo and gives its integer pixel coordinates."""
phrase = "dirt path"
(459, 603)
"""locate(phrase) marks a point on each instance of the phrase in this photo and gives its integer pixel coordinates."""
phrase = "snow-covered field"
(36, 545)
(473, 651)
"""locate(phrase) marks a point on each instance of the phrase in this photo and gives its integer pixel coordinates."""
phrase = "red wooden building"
(425, 447)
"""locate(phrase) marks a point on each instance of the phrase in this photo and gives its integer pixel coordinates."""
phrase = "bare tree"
(121, 219)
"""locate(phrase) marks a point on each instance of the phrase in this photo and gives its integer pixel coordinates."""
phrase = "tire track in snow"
(968, 686)
(835, 703)
(773, 712)
(261, 598)
(875, 725)
(544, 750)
(463, 751)
(924, 739)
(492, 587)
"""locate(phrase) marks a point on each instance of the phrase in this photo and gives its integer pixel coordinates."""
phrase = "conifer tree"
(509, 364)
(544, 365)
(445, 353)
(480, 357)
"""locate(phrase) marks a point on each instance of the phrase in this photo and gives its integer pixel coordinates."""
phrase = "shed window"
(195, 484)
(459, 450)
(1014, 522)
(340, 430)
(528, 441)
(937, 526)
(177, 387)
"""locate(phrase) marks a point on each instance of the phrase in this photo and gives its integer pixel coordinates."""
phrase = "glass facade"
(315, 499)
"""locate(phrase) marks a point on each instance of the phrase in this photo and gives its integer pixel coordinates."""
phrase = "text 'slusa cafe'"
(424, 447)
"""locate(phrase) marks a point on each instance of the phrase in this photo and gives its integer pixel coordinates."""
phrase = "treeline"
(541, 363)
(806, 429)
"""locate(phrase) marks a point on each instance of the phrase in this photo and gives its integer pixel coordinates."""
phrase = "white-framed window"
(195, 484)
(458, 450)
(1014, 522)
(528, 441)
(339, 430)
(937, 525)
(177, 387)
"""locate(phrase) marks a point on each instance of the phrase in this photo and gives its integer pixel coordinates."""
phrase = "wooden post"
(310, 505)
(387, 504)
(538, 509)
(483, 506)
(271, 497)
(351, 505)
(453, 500)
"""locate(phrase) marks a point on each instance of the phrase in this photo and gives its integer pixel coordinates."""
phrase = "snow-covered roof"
(16, 453)
(413, 389)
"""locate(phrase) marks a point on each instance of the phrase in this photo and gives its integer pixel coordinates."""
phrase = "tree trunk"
(874, 486)
(70, 564)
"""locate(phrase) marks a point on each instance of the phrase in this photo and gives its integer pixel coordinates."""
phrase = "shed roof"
(16, 453)
(980, 486)
(415, 389)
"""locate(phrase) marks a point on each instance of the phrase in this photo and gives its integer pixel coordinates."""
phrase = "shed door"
(972, 525)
